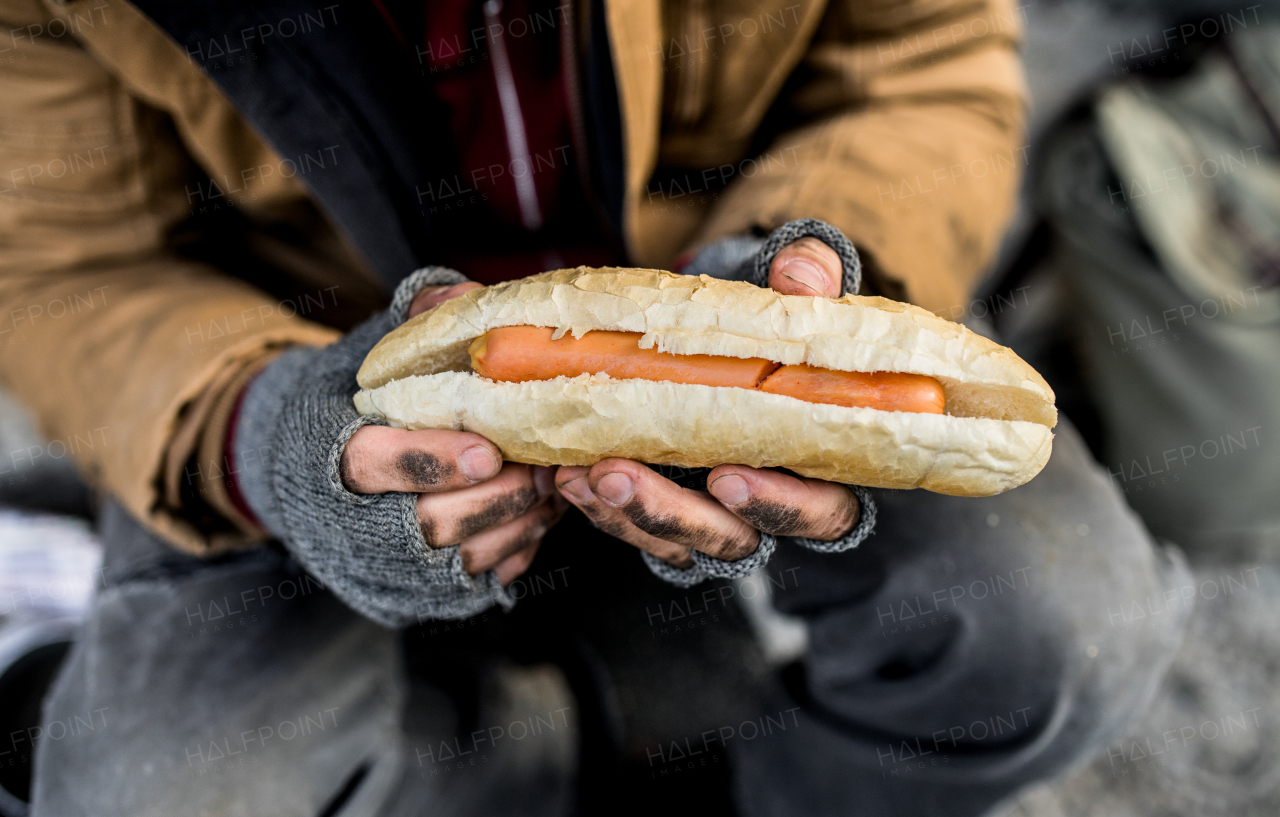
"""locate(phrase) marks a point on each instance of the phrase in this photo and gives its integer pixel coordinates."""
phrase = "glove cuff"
(747, 258)
(679, 576)
(851, 279)
(723, 569)
(708, 567)
(417, 281)
(866, 524)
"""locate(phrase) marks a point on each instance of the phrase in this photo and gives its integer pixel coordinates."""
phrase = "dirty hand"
(630, 501)
(403, 526)
(495, 513)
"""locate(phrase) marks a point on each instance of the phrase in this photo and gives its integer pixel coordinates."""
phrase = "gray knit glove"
(747, 258)
(293, 425)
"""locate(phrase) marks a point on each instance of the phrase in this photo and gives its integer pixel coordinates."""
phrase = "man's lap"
(958, 612)
(222, 685)
(988, 657)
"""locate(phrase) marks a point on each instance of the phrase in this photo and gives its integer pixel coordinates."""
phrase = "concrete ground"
(1210, 743)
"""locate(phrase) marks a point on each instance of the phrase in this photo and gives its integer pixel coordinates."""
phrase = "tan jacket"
(903, 128)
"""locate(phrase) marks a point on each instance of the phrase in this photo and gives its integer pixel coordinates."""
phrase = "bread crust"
(996, 433)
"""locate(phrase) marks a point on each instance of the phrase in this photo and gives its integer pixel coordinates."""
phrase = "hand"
(630, 501)
(403, 526)
(497, 513)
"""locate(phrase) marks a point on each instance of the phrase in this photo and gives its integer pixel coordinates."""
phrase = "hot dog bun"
(995, 435)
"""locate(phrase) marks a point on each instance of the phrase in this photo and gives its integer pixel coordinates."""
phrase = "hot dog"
(886, 391)
(859, 390)
(521, 353)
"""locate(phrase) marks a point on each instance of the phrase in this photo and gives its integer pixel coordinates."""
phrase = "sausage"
(521, 353)
(887, 391)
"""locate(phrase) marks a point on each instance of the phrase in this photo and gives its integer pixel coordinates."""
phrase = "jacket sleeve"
(121, 348)
(909, 139)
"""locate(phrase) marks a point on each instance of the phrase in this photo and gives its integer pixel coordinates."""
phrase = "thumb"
(434, 296)
(806, 267)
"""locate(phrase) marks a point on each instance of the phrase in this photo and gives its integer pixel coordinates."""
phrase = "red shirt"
(513, 205)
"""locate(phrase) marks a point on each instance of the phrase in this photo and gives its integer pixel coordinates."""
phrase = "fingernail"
(730, 489)
(477, 463)
(806, 273)
(425, 296)
(578, 490)
(614, 488)
(544, 480)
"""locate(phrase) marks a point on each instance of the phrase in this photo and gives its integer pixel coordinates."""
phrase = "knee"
(1036, 617)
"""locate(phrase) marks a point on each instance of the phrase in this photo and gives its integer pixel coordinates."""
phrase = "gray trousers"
(969, 647)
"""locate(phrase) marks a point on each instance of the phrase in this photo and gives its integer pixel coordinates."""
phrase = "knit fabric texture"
(368, 549)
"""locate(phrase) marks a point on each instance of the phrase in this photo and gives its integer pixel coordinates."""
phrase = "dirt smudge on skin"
(495, 512)
(423, 470)
(780, 519)
(772, 517)
(529, 535)
(675, 529)
(612, 523)
(346, 472)
(428, 527)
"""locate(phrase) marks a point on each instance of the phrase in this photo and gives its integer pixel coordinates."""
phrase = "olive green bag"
(1166, 207)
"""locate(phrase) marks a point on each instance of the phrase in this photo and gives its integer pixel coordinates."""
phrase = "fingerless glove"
(746, 258)
(294, 422)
